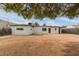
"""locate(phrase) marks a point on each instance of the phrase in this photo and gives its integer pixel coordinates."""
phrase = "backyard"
(40, 45)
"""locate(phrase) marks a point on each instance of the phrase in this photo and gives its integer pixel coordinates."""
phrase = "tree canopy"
(42, 10)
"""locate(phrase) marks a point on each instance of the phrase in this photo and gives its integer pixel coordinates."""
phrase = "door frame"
(49, 30)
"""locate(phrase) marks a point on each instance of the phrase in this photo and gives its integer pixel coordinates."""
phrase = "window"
(43, 29)
(20, 29)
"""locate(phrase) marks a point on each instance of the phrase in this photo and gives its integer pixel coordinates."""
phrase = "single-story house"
(22, 29)
(5, 24)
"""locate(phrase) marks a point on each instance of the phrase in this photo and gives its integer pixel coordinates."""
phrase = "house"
(22, 29)
(70, 26)
(5, 24)
(5, 27)
(76, 26)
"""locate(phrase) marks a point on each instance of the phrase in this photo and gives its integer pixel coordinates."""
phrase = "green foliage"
(41, 10)
(35, 24)
(44, 24)
(64, 26)
(72, 11)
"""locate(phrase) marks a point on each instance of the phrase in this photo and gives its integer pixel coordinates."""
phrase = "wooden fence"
(71, 30)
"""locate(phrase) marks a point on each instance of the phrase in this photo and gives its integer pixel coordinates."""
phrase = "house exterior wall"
(33, 30)
(55, 30)
(4, 24)
(27, 30)
(38, 30)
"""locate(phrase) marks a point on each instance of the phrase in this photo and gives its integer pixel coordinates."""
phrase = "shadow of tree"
(71, 49)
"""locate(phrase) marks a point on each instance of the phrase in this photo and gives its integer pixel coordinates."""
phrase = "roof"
(6, 21)
(73, 26)
(3, 21)
(19, 25)
(31, 26)
(76, 26)
(47, 26)
(70, 27)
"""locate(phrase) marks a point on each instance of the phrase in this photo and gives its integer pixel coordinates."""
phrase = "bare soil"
(40, 45)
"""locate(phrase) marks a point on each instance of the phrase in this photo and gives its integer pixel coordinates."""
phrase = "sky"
(58, 21)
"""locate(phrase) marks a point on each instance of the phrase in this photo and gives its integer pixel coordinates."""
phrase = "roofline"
(32, 26)
(46, 26)
(19, 25)
(8, 21)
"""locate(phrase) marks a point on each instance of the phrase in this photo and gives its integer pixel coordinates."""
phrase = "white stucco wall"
(55, 31)
(33, 30)
(38, 30)
(27, 30)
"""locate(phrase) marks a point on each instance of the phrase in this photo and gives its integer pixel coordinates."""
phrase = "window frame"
(44, 29)
(19, 28)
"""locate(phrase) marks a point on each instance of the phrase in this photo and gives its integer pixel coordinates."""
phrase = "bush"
(5, 31)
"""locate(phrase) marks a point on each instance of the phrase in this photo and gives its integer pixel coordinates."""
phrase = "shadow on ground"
(71, 49)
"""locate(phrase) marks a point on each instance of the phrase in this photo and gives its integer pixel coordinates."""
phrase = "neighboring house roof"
(4, 21)
(73, 26)
(70, 27)
(76, 26)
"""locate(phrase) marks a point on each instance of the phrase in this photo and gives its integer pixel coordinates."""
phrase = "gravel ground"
(40, 45)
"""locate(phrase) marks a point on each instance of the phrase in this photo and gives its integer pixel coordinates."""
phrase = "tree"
(44, 24)
(36, 24)
(64, 26)
(41, 10)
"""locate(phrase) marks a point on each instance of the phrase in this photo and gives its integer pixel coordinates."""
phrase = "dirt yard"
(40, 45)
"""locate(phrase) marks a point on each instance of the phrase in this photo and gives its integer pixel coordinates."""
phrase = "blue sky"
(59, 21)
